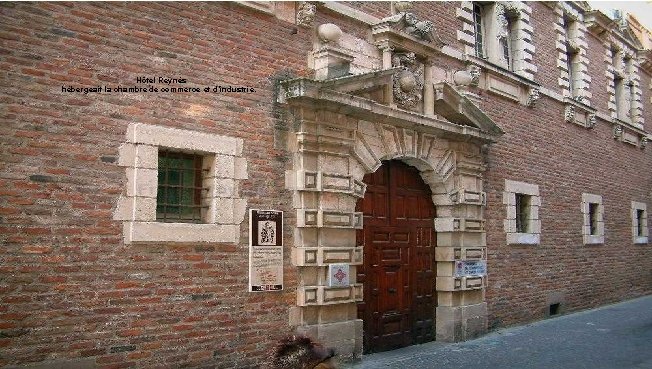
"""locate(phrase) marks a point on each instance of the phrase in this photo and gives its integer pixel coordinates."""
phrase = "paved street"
(617, 336)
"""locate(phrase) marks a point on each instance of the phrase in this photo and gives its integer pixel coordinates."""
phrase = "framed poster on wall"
(265, 250)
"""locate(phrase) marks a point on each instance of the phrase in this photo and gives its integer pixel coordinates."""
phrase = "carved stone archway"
(339, 138)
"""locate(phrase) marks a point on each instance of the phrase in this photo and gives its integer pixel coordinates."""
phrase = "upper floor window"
(478, 29)
(623, 87)
(507, 41)
(501, 33)
(572, 55)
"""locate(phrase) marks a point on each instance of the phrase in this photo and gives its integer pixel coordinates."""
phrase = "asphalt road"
(616, 336)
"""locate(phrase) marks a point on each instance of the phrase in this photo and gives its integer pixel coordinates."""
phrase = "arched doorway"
(399, 259)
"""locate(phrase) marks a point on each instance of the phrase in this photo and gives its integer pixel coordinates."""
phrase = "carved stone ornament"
(306, 14)
(474, 70)
(532, 97)
(643, 142)
(591, 121)
(569, 114)
(402, 6)
(572, 46)
(408, 80)
(619, 73)
(410, 24)
(505, 12)
(618, 131)
(578, 98)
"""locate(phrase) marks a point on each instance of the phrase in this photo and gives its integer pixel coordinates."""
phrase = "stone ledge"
(140, 133)
(324, 295)
(523, 238)
(320, 256)
(180, 232)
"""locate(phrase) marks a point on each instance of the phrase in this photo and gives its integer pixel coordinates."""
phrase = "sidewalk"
(616, 336)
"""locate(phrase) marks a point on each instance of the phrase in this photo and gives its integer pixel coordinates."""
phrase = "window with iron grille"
(640, 226)
(180, 192)
(477, 25)
(593, 219)
(522, 213)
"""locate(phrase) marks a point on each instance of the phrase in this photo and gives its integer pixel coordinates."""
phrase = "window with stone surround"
(507, 42)
(572, 54)
(522, 202)
(593, 219)
(478, 29)
(500, 33)
(640, 231)
(182, 186)
(572, 59)
(625, 94)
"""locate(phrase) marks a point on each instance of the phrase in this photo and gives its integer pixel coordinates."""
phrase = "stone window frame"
(588, 238)
(533, 237)
(522, 45)
(224, 167)
(636, 239)
(572, 40)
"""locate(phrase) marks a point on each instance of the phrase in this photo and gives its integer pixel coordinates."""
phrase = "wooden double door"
(399, 264)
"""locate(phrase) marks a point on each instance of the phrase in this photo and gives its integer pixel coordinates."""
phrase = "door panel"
(398, 271)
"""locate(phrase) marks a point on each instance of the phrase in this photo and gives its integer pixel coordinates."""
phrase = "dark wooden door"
(398, 272)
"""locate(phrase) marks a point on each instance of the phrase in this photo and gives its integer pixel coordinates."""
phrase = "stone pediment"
(368, 96)
(455, 107)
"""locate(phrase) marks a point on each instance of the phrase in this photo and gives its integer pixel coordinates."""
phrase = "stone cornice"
(386, 36)
(349, 12)
(306, 92)
(603, 27)
(599, 24)
(645, 60)
(581, 6)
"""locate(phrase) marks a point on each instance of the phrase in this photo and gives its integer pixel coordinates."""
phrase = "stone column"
(428, 89)
(461, 311)
(325, 195)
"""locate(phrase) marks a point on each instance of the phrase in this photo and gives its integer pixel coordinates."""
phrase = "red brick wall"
(70, 288)
(379, 9)
(565, 160)
(545, 57)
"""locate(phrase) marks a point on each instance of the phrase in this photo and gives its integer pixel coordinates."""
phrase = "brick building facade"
(407, 144)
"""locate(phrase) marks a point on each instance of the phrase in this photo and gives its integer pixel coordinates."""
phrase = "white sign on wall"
(470, 268)
(265, 250)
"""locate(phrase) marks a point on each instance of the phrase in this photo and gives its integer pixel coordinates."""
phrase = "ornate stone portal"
(334, 150)
(344, 128)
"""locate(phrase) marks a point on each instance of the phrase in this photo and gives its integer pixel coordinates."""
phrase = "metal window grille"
(640, 215)
(179, 187)
(593, 219)
(477, 27)
(522, 213)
